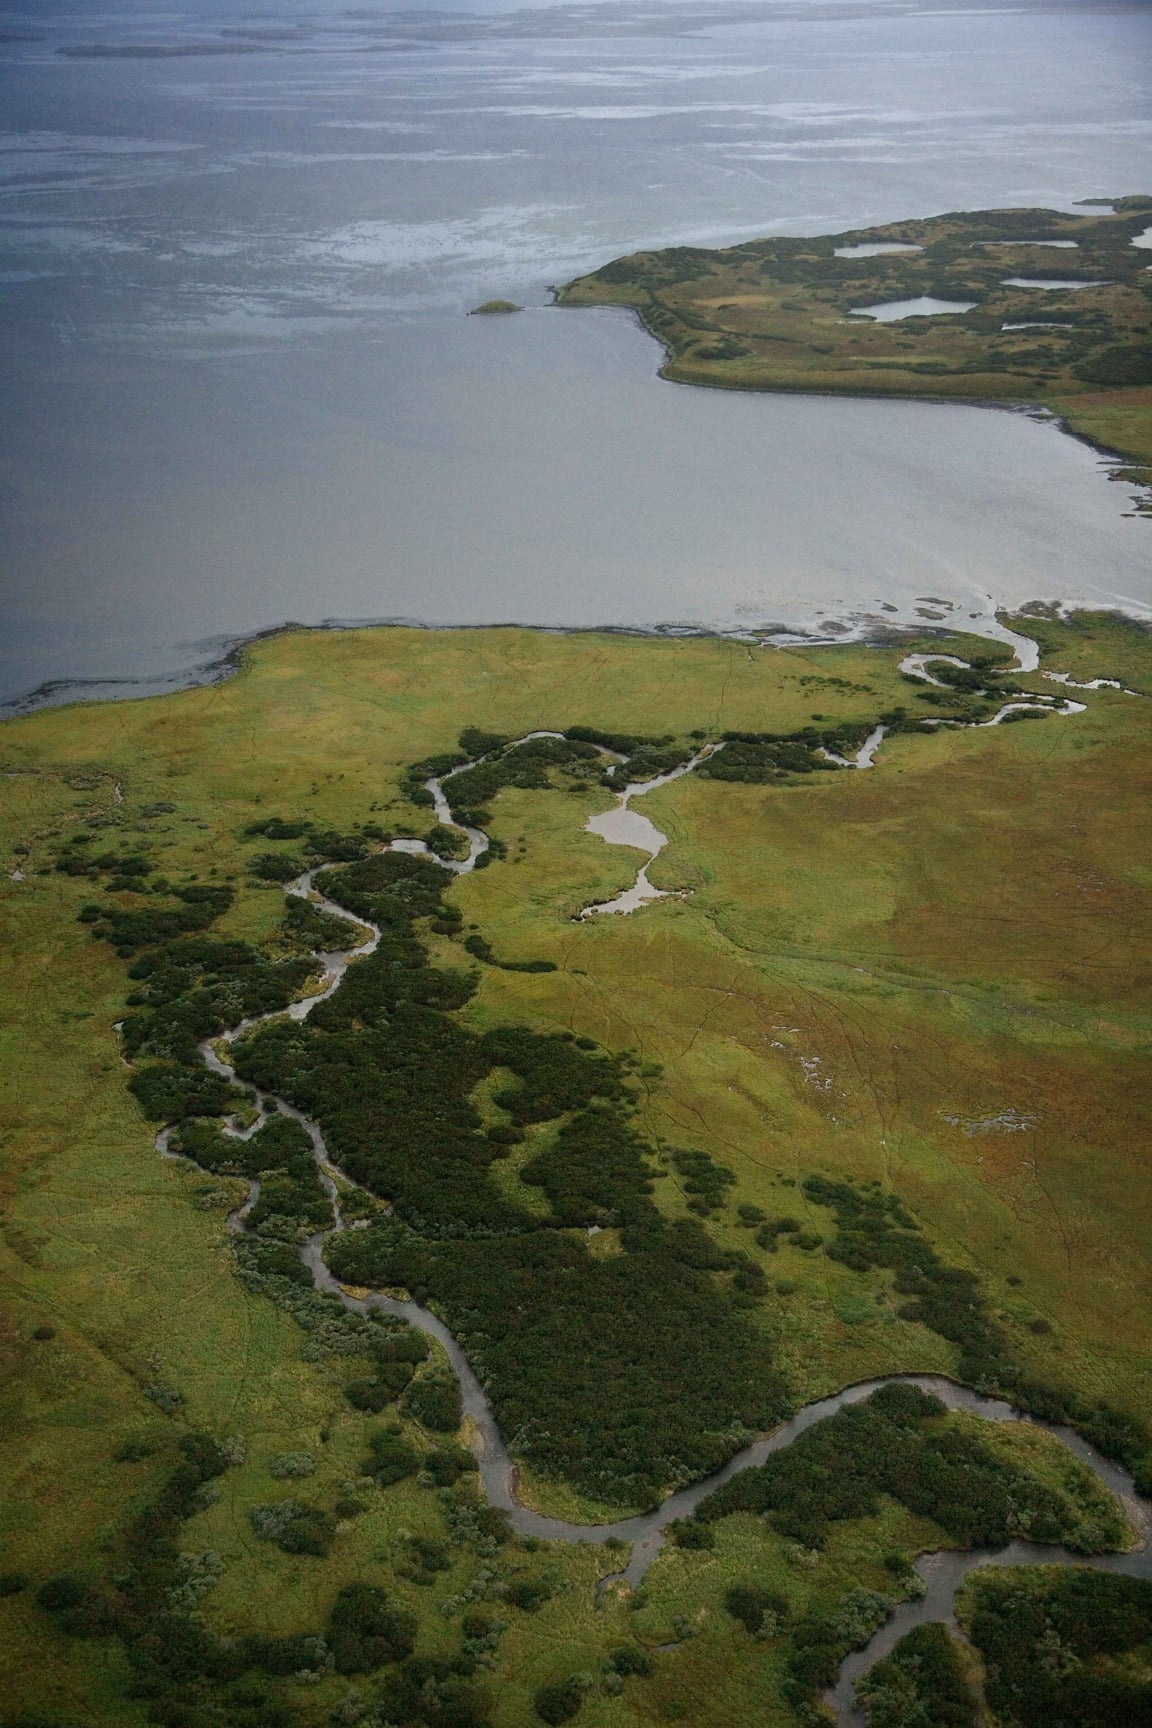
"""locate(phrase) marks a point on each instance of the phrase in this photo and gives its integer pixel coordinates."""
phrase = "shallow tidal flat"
(927, 974)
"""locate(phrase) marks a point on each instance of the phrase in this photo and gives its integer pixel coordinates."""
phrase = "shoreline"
(1031, 409)
(229, 662)
(645, 300)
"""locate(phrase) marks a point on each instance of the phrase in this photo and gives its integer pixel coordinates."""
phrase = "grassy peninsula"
(777, 314)
(867, 1097)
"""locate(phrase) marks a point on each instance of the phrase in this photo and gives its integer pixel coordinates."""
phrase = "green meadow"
(932, 975)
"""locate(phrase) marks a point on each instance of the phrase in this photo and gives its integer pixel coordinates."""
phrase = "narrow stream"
(942, 1572)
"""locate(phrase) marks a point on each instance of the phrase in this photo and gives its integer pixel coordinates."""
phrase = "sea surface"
(238, 385)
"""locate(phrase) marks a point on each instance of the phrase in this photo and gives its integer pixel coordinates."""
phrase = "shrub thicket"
(897, 1443)
(874, 1229)
(366, 1630)
(920, 1685)
(1064, 1648)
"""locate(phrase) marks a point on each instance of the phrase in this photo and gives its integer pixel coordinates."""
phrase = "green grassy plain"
(775, 315)
(934, 974)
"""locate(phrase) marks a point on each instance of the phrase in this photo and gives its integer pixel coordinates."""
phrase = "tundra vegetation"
(783, 314)
(862, 1100)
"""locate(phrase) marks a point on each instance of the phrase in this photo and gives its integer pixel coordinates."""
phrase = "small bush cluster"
(293, 1526)
(366, 1630)
(759, 1611)
(561, 1700)
(481, 949)
(820, 1642)
(434, 1400)
(705, 1181)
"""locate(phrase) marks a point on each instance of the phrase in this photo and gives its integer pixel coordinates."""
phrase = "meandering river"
(942, 1572)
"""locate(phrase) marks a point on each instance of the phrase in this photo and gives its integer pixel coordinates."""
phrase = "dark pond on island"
(237, 385)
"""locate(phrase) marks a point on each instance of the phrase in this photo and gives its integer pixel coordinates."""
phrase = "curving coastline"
(941, 1571)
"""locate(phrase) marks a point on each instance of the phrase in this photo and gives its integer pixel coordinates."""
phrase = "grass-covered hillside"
(776, 314)
(868, 1095)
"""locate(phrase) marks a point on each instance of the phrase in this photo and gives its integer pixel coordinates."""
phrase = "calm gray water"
(237, 385)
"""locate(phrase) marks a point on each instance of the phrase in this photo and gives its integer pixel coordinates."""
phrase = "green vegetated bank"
(776, 314)
(874, 1229)
(189, 1677)
(922, 1684)
(623, 1375)
(900, 1444)
(1062, 1648)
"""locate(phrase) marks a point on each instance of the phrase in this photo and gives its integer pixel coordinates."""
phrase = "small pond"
(875, 249)
(925, 306)
(1048, 282)
(1062, 245)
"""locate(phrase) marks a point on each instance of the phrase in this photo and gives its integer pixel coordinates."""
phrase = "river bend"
(942, 1572)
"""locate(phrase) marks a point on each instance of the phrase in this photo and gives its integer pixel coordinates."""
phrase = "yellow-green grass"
(721, 1673)
(775, 314)
(1088, 645)
(957, 933)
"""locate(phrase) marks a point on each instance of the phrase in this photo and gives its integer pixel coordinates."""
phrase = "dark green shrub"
(630, 1659)
(434, 1400)
(559, 1701)
(446, 1464)
(277, 866)
(390, 1457)
(62, 1591)
(423, 1559)
(369, 1395)
(529, 1594)
(166, 1092)
(920, 1684)
(1064, 1649)
(1121, 364)
(367, 1630)
(690, 1533)
(752, 1606)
